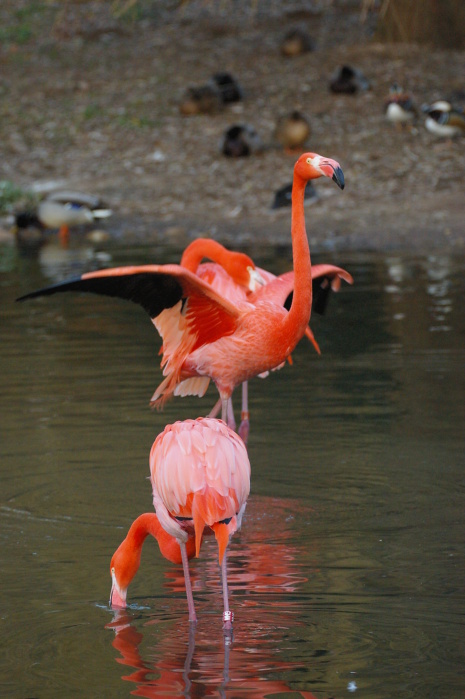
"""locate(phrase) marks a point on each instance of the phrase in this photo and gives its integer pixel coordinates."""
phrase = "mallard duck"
(292, 130)
(229, 88)
(63, 210)
(444, 120)
(399, 108)
(296, 41)
(240, 140)
(283, 196)
(348, 81)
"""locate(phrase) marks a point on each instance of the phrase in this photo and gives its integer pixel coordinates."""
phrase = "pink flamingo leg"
(227, 412)
(228, 615)
(230, 419)
(216, 409)
(187, 580)
(245, 425)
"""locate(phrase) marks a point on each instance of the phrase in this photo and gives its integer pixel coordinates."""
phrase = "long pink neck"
(299, 313)
(200, 248)
(143, 526)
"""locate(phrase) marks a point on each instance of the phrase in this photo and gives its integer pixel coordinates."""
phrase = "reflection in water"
(362, 583)
(263, 576)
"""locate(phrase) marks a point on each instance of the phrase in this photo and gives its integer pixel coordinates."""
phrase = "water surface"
(348, 574)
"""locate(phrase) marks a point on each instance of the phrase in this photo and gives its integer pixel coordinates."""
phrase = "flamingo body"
(200, 475)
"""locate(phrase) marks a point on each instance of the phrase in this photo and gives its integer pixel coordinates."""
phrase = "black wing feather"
(152, 290)
(321, 290)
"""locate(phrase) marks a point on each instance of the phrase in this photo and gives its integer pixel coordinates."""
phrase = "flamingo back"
(200, 471)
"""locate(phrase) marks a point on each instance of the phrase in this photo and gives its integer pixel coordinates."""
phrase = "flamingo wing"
(157, 288)
(325, 278)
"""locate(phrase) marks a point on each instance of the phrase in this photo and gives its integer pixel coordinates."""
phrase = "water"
(348, 575)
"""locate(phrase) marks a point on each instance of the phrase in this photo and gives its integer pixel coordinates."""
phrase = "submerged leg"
(228, 615)
(245, 425)
(188, 662)
(187, 581)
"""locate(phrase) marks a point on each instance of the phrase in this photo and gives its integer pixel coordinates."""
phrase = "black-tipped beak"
(338, 177)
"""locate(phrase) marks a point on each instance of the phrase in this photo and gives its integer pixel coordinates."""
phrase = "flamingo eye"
(112, 571)
(309, 161)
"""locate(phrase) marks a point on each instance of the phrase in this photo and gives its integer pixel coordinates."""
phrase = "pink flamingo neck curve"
(239, 266)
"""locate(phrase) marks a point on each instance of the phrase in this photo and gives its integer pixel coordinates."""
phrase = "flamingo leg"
(188, 663)
(230, 421)
(187, 580)
(245, 425)
(228, 615)
(216, 409)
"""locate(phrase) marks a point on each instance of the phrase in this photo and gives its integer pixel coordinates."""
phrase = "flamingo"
(200, 475)
(204, 335)
(235, 276)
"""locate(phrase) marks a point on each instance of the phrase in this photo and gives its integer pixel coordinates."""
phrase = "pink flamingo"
(235, 276)
(204, 335)
(200, 475)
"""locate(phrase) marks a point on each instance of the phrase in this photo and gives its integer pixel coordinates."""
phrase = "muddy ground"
(91, 101)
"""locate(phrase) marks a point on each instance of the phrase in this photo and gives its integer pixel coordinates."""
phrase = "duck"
(62, 210)
(444, 120)
(204, 99)
(399, 108)
(292, 130)
(348, 81)
(296, 41)
(228, 87)
(240, 140)
(283, 196)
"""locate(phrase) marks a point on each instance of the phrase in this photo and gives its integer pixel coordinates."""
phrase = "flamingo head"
(123, 567)
(242, 269)
(310, 166)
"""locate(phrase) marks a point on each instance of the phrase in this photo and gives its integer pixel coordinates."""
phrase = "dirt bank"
(92, 102)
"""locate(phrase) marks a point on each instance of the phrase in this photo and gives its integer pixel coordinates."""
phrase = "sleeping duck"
(296, 41)
(348, 81)
(443, 120)
(292, 130)
(240, 140)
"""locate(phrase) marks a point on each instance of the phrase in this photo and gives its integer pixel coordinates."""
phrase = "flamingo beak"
(338, 177)
(332, 169)
(117, 595)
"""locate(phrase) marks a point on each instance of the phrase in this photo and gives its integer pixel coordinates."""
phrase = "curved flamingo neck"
(143, 526)
(200, 248)
(299, 313)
